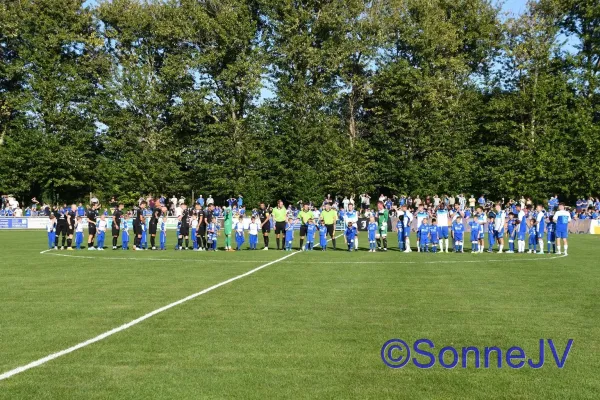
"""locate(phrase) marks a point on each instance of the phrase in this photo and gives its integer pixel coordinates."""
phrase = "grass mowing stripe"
(128, 325)
(483, 260)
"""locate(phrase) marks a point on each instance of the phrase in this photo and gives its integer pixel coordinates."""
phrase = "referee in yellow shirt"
(280, 216)
(304, 216)
(329, 217)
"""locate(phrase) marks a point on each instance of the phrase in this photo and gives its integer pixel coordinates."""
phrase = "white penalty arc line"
(128, 325)
(542, 258)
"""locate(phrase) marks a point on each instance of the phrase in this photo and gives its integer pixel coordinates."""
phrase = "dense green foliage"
(294, 99)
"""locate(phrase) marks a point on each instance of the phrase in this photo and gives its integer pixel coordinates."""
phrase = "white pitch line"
(128, 325)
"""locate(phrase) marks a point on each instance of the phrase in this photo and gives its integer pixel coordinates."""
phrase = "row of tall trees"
(297, 98)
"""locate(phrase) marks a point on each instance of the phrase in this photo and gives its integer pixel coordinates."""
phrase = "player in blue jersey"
(458, 231)
(408, 217)
(372, 229)
(423, 236)
(541, 227)
(124, 232)
(562, 219)
(163, 233)
(240, 237)
(532, 227)
(177, 230)
(421, 216)
(213, 232)
(78, 232)
(521, 228)
(147, 213)
(253, 229)
(289, 234)
(51, 231)
(499, 224)
(475, 228)
(193, 232)
(350, 235)
(511, 228)
(351, 216)
(311, 228)
(442, 219)
(322, 235)
(551, 231)
(400, 230)
(491, 240)
(481, 220)
(434, 235)
(102, 227)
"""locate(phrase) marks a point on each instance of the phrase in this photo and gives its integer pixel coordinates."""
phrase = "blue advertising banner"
(13, 223)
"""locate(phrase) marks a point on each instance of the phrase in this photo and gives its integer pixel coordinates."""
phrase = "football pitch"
(292, 325)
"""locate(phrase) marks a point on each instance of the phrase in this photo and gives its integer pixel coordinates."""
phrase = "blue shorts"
(521, 236)
(499, 234)
(551, 237)
(540, 235)
(406, 231)
(562, 234)
(444, 232)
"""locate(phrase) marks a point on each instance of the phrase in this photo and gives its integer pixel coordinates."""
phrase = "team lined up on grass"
(435, 227)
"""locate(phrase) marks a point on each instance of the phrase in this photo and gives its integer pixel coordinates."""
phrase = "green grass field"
(309, 326)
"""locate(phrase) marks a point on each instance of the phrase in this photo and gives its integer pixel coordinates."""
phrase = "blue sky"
(514, 6)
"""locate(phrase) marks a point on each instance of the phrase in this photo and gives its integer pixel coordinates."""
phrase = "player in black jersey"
(116, 224)
(138, 224)
(201, 231)
(71, 216)
(61, 227)
(265, 223)
(153, 225)
(184, 229)
(92, 217)
(207, 216)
